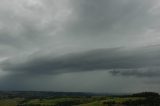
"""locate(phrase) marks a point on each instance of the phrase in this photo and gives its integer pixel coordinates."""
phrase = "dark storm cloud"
(139, 62)
(60, 37)
(138, 72)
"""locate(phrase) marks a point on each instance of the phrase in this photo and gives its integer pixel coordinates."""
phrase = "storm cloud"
(73, 41)
(119, 60)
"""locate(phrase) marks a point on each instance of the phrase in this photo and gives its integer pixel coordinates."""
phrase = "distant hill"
(45, 94)
(146, 94)
(39, 94)
(50, 94)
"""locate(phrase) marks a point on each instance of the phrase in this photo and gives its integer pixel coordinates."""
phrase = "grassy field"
(141, 99)
(112, 100)
(10, 102)
(74, 101)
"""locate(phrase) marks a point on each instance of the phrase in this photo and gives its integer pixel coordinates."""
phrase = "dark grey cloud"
(138, 72)
(112, 23)
(115, 17)
(140, 62)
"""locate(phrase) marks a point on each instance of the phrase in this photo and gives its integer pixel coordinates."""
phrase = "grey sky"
(93, 45)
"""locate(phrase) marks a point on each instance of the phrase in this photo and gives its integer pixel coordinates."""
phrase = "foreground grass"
(67, 101)
(122, 100)
(50, 101)
(112, 100)
(10, 102)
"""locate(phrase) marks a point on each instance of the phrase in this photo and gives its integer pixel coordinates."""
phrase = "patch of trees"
(146, 94)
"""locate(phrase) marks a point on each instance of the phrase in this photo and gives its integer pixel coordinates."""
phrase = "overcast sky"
(80, 45)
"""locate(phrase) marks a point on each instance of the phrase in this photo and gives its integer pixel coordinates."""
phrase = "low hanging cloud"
(136, 62)
(138, 72)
